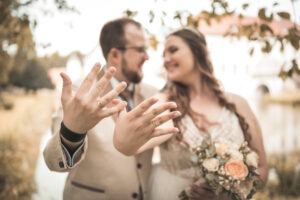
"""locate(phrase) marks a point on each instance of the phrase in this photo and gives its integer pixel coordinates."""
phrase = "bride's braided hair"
(178, 92)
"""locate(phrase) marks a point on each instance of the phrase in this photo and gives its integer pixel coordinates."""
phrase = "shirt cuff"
(69, 158)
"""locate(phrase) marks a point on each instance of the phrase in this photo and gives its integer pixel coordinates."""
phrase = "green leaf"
(295, 42)
(177, 16)
(295, 68)
(284, 15)
(283, 74)
(262, 14)
(267, 48)
(151, 16)
(251, 51)
(130, 13)
(245, 6)
(264, 28)
(282, 46)
(210, 177)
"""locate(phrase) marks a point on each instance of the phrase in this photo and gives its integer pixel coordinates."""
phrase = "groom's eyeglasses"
(141, 49)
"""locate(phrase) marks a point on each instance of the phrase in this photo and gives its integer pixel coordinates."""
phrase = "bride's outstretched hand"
(135, 128)
(89, 105)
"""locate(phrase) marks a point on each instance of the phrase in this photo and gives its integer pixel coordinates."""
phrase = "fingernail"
(177, 114)
(97, 66)
(154, 99)
(172, 105)
(124, 84)
(112, 69)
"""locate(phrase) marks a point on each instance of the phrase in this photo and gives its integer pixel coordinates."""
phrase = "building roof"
(224, 24)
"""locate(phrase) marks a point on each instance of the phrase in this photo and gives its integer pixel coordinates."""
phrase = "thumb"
(122, 112)
(66, 88)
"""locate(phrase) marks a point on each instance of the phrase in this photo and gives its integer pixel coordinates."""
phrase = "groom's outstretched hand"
(90, 104)
(135, 128)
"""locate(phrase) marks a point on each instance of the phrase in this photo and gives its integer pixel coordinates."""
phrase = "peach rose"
(236, 169)
(211, 164)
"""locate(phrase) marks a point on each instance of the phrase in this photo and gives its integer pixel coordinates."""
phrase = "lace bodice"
(176, 156)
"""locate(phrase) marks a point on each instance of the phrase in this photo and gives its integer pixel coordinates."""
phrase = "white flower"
(221, 148)
(211, 164)
(235, 154)
(252, 159)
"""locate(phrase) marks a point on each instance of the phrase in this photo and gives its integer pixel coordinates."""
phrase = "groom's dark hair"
(112, 34)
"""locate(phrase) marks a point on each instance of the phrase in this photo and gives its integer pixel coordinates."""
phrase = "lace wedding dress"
(176, 171)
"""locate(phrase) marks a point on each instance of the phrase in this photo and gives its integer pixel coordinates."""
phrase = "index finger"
(89, 79)
(166, 106)
(101, 85)
(143, 107)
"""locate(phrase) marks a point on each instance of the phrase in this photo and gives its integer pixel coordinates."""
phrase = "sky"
(68, 32)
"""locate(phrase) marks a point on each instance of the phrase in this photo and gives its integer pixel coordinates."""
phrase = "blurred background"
(254, 46)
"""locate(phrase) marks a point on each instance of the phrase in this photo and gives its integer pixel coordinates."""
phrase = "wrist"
(70, 135)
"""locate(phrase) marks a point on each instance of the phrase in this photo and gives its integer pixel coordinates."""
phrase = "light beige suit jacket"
(100, 171)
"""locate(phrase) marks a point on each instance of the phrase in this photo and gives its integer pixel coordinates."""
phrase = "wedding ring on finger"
(156, 123)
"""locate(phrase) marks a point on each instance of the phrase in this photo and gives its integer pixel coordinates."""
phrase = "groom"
(82, 141)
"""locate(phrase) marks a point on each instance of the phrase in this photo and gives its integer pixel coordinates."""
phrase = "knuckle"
(86, 106)
(108, 75)
(159, 122)
(139, 125)
(144, 107)
(172, 115)
(80, 102)
(113, 93)
(83, 104)
(99, 85)
(104, 101)
(88, 79)
(77, 99)
(155, 111)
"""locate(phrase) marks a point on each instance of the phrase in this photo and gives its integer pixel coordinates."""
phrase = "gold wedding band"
(156, 123)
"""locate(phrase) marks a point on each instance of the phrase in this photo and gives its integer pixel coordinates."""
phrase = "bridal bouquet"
(227, 168)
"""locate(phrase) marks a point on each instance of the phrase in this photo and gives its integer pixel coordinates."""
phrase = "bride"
(204, 108)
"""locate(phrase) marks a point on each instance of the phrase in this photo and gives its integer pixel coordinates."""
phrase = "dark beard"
(130, 75)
